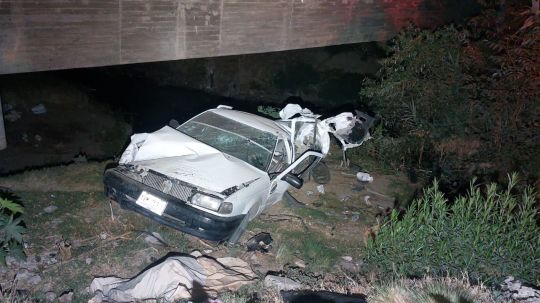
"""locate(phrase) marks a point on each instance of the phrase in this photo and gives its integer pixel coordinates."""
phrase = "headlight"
(205, 201)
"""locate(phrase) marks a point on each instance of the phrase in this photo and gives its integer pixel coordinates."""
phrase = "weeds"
(490, 235)
(312, 247)
(11, 229)
(428, 290)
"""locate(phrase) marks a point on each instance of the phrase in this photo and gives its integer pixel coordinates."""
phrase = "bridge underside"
(60, 34)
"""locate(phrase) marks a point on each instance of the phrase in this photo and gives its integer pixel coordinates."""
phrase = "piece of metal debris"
(260, 242)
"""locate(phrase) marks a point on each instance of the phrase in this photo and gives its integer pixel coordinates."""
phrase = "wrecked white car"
(214, 173)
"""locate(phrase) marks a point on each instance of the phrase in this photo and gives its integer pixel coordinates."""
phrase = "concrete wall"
(57, 34)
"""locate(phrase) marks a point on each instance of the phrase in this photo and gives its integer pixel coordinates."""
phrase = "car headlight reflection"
(206, 201)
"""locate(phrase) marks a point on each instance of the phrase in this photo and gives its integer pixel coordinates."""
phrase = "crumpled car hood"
(179, 156)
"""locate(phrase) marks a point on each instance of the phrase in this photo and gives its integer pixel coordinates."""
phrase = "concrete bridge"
(37, 35)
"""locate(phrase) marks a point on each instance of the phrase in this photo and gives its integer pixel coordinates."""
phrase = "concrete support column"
(3, 143)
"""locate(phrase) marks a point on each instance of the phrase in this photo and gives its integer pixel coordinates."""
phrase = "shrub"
(458, 107)
(490, 236)
(11, 229)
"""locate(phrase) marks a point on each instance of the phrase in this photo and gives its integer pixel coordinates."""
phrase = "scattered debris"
(320, 296)
(103, 235)
(281, 283)
(519, 292)
(351, 130)
(366, 200)
(174, 279)
(344, 198)
(50, 209)
(12, 116)
(260, 242)
(364, 177)
(88, 261)
(320, 189)
(39, 109)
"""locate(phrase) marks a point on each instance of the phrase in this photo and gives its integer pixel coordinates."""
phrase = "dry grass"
(430, 290)
(76, 177)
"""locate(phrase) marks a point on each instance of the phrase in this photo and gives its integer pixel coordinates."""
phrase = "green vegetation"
(454, 106)
(311, 246)
(490, 235)
(11, 229)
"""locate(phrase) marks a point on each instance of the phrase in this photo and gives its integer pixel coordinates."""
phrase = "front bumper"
(178, 214)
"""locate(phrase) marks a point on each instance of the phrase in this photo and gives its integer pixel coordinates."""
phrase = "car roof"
(255, 121)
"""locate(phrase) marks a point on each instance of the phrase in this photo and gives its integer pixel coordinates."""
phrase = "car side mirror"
(174, 124)
(293, 180)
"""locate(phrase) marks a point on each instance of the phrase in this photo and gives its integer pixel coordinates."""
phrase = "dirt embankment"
(50, 121)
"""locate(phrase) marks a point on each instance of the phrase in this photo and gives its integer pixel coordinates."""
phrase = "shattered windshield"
(239, 140)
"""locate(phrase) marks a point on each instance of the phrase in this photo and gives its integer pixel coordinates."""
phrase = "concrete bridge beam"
(61, 34)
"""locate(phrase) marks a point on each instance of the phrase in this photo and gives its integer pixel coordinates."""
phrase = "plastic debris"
(364, 177)
(174, 279)
(320, 188)
(39, 109)
(49, 209)
(291, 110)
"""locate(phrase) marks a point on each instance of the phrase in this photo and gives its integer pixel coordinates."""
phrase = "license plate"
(152, 203)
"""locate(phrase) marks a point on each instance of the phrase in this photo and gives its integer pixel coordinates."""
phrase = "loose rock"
(520, 292)
(196, 253)
(66, 297)
(281, 283)
(49, 209)
(50, 296)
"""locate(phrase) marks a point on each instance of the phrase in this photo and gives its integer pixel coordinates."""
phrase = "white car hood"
(179, 156)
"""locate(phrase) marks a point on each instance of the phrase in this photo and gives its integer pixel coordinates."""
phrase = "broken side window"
(279, 158)
(303, 167)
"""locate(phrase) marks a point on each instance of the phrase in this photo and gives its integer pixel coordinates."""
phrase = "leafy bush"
(11, 229)
(490, 236)
(422, 96)
(457, 107)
